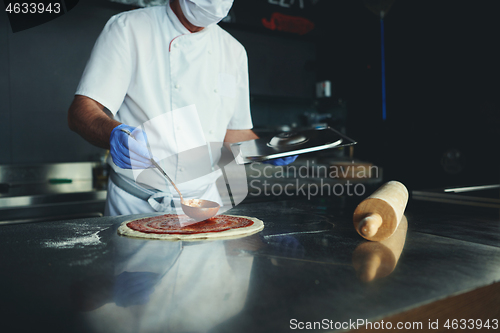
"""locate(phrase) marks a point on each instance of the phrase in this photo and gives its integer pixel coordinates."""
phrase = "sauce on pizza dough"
(172, 224)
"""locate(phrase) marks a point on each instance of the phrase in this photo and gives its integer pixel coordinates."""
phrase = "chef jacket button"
(177, 86)
(210, 132)
(209, 52)
(181, 169)
(175, 45)
(178, 128)
(215, 90)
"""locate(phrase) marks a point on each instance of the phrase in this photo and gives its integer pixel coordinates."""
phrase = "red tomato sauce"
(172, 224)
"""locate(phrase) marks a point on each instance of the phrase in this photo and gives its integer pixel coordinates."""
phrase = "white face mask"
(202, 13)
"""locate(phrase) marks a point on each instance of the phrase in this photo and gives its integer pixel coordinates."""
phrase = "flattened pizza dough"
(148, 225)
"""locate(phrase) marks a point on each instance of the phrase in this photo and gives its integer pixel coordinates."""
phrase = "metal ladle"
(197, 209)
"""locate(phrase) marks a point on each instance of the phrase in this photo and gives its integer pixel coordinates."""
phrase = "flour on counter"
(92, 239)
(81, 262)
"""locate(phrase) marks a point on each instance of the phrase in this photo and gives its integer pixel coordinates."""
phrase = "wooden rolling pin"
(377, 217)
(375, 260)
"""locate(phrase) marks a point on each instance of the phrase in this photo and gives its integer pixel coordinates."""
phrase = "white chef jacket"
(147, 68)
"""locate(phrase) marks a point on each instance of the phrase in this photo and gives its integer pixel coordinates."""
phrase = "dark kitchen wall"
(5, 116)
(442, 71)
(39, 71)
(443, 83)
(282, 76)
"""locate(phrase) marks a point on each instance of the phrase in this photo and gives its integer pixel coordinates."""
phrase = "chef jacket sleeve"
(109, 70)
(242, 118)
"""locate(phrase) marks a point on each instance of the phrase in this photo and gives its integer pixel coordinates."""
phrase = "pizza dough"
(125, 230)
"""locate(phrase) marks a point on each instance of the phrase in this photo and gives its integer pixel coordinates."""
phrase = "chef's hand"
(128, 152)
(282, 161)
(134, 288)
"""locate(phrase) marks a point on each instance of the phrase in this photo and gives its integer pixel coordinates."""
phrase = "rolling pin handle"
(368, 226)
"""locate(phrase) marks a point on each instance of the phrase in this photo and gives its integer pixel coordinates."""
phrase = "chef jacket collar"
(178, 24)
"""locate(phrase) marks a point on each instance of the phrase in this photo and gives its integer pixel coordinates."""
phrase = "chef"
(174, 80)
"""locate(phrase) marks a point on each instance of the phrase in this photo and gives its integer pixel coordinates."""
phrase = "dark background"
(442, 75)
(441, 67)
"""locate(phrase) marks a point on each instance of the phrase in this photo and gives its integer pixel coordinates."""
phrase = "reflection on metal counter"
(175, 286)
(375, 260)
(309, 277)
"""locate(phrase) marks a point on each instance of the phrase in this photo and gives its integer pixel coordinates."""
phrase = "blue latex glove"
(134, 288)
(282, 161)
(128, 152)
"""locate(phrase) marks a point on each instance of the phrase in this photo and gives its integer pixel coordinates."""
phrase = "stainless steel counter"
(80, 276)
